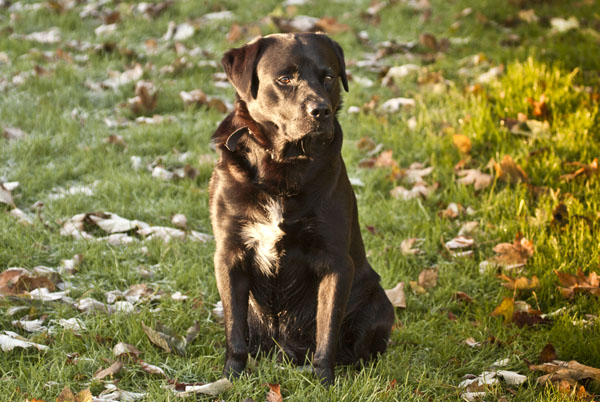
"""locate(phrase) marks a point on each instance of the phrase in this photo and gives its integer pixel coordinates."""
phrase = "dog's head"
(290, 84)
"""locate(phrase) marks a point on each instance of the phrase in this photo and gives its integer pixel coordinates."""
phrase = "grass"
(427, 357)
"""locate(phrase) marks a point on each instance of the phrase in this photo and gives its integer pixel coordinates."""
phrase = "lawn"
(93, 120)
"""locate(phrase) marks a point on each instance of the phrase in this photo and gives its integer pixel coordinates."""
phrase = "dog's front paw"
(234, 368)
(325, 374)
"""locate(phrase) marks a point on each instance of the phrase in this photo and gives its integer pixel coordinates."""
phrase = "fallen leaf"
(109, 371)
(428, 278)
(6, 195)
(411, 246)
(116, 79)
(115, 139)
(418, 190)
(471, 342)
(511, 378)
(462, 142)
(10, 340)
(166, 339)
(570, 371)
(17, 281)
(396, 295)
(462, 296)
(528, 16)
(513, 255)
(520, 283)
(125, 349)
(179, 32)
(587, 169)
(145, 99)
(508, 171)
(151, 369)
(580, 283)
(459, 242)
(505, 309)
(13, 133)
(395, 104)
(213, 389)
(475, 177)
(561, 25)
(274, 394)
(548, 353)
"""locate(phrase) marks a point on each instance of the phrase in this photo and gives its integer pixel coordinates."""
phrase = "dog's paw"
(234, 368)
(325, 374)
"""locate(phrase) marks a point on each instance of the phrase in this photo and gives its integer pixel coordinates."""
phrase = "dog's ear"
(340, 56)
(240, 67)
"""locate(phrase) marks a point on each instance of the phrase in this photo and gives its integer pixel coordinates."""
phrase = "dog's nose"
(319, 110)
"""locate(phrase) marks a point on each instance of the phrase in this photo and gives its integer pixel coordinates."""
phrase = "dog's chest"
(263, 233)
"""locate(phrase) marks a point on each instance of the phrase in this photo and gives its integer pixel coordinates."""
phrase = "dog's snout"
(319, 110)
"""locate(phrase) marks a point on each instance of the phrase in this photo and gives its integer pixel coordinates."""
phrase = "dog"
(290, 262)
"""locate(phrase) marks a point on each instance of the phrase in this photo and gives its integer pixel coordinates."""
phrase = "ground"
(490, 78)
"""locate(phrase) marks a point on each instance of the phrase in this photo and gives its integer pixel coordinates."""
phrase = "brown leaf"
(587, 169)
(366, 144)
(520, 283)
(529, 318)
(475, 177)
(428, 40)
(411, 246)
(116, 139)
(462, 142)
(540, 108)
(145, 99)
(331, 25)
(428, 278)
(194, 97)
(548, 353)
(16, 281)
(125, 349)
(579, 283)
(109, 371)
(569, 371)
(508, 171)
(274, 394)
(396, 295)
(462, 296)
(67, 395)
(513, 255)
(165, 338)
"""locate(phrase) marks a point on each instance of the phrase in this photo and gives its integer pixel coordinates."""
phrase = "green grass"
(427, 357)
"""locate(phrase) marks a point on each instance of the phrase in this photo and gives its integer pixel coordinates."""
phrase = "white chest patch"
(263, 234)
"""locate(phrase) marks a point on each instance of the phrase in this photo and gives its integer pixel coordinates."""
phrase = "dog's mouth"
(308, 145)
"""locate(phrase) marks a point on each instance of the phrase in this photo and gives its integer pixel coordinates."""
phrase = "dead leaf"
(475, 177)
(145, 99)
(520, 283)
(10, 340)
(508, 171)
(513, 255)
(6, 195)
(194, 97)
(528, 16)
(17, 281)
(115, 139)
(459, 242)
(67, 395)
(109, 371)
(418, 189)
(366, 144)
(548, 353)
(396, 295)
(569, 371)
(462, 142)
(13, 133)
(331, 25)
(274, 394)
(411, 246)
(580, 283)
(125, 349)
(165, 338)
(505, 309)
(587, 169)
(151, 369)
(462, 296)
(428, 278)
(213, 388)
(561, 25)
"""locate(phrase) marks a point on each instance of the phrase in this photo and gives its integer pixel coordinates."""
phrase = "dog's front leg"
(334, 290)
(233, 285)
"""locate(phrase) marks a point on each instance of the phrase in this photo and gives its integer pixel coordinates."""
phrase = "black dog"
(290, 262)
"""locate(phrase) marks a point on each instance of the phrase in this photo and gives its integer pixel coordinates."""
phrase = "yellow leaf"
(462, 142)
(505, 309)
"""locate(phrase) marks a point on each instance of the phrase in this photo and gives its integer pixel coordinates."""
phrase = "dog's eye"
(285, 80)
(328, 78)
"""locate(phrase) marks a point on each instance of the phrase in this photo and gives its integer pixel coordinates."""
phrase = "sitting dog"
(290, 262)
